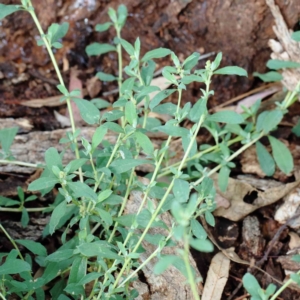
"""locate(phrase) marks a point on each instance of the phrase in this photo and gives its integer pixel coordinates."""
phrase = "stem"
(2, 297)
(283, 287)
(231, 157)
(19, 163)
(166, 171)
(190, 276)
(157, 250)
(12, 241)
(161, 203)
(18, 210)
(61, 81)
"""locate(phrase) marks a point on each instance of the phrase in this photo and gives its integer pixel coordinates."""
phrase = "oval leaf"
(232, 70)
(265, 159)
(282, 155)
(226, 116)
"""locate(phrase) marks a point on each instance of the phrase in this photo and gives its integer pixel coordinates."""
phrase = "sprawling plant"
(95, 186)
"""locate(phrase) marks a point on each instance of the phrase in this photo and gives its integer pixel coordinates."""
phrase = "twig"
(276, 237)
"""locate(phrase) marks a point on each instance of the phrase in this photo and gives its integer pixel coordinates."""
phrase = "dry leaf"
(63, 120)
(238, 190)
(93, 86)
(288, 209)
(294, 240)
(216, 278)
(49, 102)
(249, 101)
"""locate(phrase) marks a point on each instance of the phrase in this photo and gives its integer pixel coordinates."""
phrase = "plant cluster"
(94, 188)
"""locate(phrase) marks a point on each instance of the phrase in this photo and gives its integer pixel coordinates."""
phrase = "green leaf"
(217, 61)
(105, 77)
(147, 72)
(131, 114)
(113, 127)
(165, 109)
(6, 10)
(60, 32)
(160, 97)
(223, 178)
(122, 15)
(169, 76)
(295, 36)
(251, 285)
(24, 217)
(191, 61)
(63, 90)
(14, 266)
(78, 269)
(226, 116)
(231, 70)
(98, 49)
(154, 239)
(143, 140)
(296, 129)
(123, 165)
(202, 245)
(42, 183)
(156, 53)
(105, 216)
(198, 230)
(277, 64)
(181, 190)
(52, 158)
(173, 130)
(103, 27)
(104, 195)
(8, 202)
(34, 247)
(98, 136)
(112, 14)
(112, 115)
(60, 255)
(89, 277)
(210, 218)
(75, 164)
(88, 111)
(81, 189)
(191, 78)
(265, 159)
(268, 120)
(127, 47)
(163, 263)
(269, 76)
(198, 110)
(126, 220)
(282, 155)
(58, 212)
(7, 136)
(143, 218)
(92, 249)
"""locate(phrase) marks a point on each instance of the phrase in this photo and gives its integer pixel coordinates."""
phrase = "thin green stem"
(231, 157)
(2, 297)
(18, 210)
(19, 163)
(12, 241)
(161, 203)
(141, 266)
(166, 171)
(61, 81)
(190, 276)
(283, 287)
